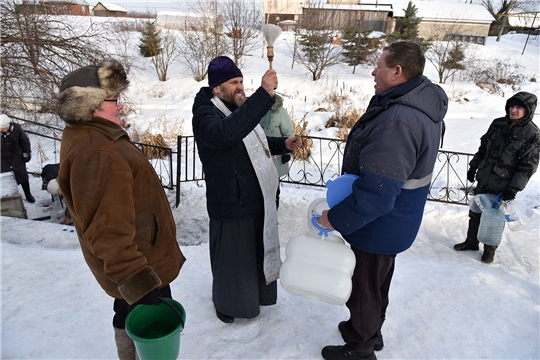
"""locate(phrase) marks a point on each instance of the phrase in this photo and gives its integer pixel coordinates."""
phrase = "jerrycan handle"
(497, 203)
(322, 230)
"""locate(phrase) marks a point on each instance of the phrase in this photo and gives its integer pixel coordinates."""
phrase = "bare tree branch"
(37, 50)
(243, 22)
(202, 38)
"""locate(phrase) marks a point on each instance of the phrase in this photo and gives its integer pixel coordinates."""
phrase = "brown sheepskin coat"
(120, 211)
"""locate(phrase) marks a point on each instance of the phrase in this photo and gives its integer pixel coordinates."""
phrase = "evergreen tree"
(358, 47)
(407, 28)
(150, 44)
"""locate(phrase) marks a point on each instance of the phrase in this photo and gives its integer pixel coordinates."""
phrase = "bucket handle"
(168, 303)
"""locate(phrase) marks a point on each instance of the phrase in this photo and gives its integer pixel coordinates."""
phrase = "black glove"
(26, 156)
(152, 298)
(508, 195)
(470, 174)
(285, 158)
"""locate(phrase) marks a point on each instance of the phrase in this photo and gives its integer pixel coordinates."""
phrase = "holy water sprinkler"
(271, 33)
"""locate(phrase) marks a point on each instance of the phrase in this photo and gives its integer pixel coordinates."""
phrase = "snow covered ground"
(443, 304)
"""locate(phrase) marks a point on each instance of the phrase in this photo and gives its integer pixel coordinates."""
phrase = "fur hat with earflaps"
(84, 89)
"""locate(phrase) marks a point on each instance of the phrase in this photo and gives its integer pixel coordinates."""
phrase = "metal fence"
(324, 162)
(45, 140)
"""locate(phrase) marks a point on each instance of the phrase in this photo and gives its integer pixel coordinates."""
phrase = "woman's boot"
(471, 242)
(26, 188)
(489, 254)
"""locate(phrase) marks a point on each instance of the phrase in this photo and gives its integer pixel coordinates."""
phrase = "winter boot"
(225, 318)
(489, 254)
(471, 242)
(124, 345)
(380, 342)
(347, 352)
(26, 188)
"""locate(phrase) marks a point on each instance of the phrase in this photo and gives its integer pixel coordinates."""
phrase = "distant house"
(56, 7)
(333, 14)
(276, 11)
(449, 21)
(440, 20)
(109, 10)
(187, 21)
(369, 14)
(524, 21)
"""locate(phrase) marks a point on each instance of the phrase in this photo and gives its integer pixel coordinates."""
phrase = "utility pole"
(530, 29)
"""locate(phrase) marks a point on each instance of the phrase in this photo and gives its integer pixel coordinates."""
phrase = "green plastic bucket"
(155, 330)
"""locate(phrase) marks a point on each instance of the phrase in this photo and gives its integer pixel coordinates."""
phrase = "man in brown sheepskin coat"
(120, 211)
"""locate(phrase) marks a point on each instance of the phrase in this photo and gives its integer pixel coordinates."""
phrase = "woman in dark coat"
(16, 153)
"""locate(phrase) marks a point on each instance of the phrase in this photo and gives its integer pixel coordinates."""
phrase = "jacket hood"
(418, 93)
(427, 97)
(278, 104)
(202, 98)
(84, 89)
(528, 100)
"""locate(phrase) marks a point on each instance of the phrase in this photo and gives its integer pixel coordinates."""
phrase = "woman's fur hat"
(83, 90)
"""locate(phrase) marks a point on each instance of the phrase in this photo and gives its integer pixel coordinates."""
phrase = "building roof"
(365, 6)
(76, 2)
(429, 10)
(180, 16)
(112, 7)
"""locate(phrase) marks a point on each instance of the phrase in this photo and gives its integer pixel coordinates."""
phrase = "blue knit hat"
(220, 70)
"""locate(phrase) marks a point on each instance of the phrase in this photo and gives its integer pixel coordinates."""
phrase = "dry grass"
(176, 130)
(342, 134)
(154, 140)
(304, 151)
(344, 121)
(148, 138)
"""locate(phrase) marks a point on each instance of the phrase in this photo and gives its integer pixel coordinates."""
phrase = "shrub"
(490, 74)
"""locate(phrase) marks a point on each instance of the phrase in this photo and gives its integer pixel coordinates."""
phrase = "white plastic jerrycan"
(519, 216)
(319, 265)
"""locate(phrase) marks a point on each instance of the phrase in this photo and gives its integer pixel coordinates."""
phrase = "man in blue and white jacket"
(392, 148)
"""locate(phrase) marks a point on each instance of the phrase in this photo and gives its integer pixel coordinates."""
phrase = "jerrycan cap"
(339, 188)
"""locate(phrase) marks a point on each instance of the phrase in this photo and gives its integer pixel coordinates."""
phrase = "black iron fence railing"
(323, 162)
(45, 142)
(449, 183)
(161, 159)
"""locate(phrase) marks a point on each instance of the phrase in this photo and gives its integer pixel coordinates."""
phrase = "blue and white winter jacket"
(392, 148)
